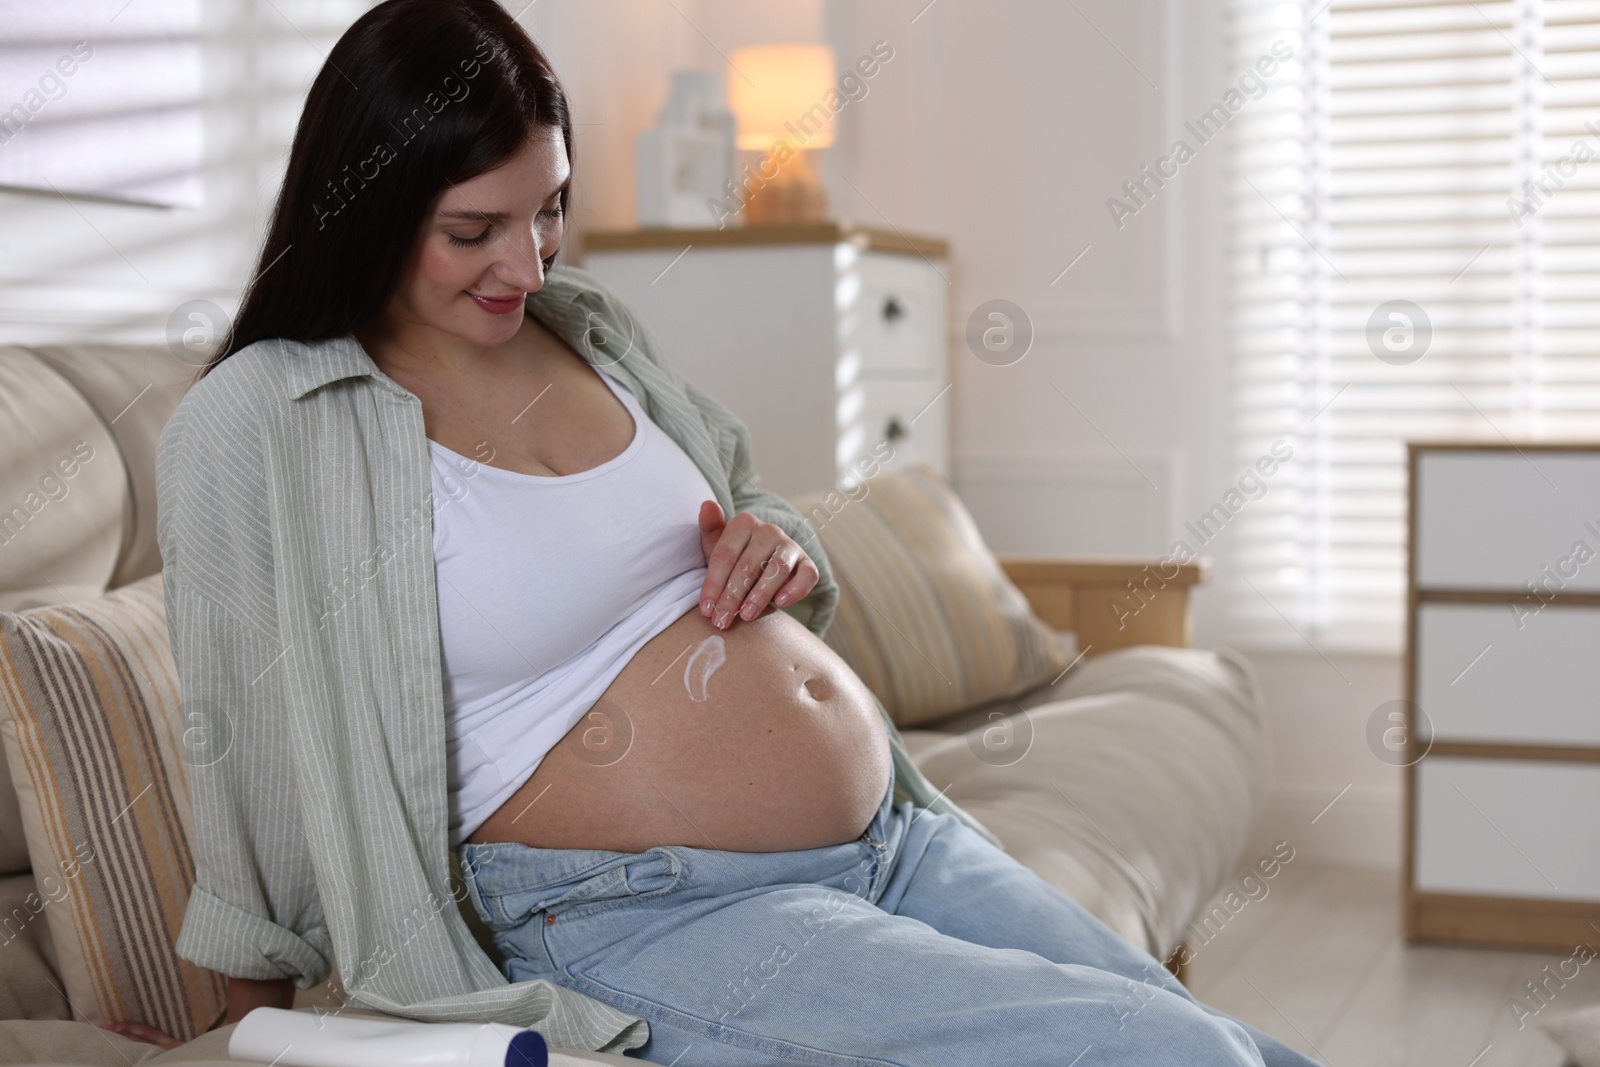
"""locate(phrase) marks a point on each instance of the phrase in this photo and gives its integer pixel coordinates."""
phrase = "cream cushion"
(926, 617)
(1133, 792)
(1577, 1032)
(29, 988)
(46, 1044)
(94, 733)
(64, 497)
(134, 391)
(13, 842)
(60, 534)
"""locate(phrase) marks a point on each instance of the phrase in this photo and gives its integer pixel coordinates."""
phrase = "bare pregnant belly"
(758, 738)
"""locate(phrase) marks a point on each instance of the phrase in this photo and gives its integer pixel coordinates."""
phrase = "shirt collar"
(565, 305)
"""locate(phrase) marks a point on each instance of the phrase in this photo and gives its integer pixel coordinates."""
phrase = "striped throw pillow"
(926, 617)
(94, 735)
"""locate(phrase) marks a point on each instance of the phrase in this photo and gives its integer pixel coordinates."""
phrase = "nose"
(524, 266)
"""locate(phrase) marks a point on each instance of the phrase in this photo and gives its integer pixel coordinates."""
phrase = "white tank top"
(547, 586)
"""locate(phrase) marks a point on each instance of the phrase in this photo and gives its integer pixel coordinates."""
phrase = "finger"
(801, 582)
(710, 533)
(715, 522)
(720, 564)
(773, 576)
(741, 579)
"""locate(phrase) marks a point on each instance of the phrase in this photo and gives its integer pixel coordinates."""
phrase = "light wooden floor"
(1319, 963)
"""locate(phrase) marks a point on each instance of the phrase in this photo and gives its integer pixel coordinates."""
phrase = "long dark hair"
(416, 94)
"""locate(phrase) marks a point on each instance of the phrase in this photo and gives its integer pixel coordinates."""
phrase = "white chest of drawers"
(1503, 672)
(827, 339)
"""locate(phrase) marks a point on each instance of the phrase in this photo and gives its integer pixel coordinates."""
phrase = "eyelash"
(470, 242)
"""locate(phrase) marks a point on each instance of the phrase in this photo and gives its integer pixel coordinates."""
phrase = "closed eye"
(468, 242)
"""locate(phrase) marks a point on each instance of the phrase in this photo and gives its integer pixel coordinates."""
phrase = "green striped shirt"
(295, 522)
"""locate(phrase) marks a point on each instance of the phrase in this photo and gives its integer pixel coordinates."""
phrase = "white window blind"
(1440, 153)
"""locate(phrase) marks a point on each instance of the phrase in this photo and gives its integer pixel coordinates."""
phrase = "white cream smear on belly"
(703, 663)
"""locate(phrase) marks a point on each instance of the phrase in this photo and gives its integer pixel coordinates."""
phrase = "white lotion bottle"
(309, 1039)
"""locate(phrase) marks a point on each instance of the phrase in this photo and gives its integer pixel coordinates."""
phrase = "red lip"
(504, 305)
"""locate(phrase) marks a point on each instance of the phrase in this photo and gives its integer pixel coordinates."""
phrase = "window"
(1415, 206)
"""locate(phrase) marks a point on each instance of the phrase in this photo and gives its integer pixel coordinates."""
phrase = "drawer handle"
(892, 310)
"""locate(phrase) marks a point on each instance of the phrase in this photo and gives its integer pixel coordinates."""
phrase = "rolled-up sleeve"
(254, 910)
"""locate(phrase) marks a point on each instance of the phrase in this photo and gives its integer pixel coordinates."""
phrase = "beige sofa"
(1144, 772)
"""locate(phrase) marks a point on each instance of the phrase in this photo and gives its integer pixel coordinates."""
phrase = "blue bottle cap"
(528, 1049)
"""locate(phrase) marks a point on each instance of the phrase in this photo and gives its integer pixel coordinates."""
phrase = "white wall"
(1006, 127)
(1002, 126)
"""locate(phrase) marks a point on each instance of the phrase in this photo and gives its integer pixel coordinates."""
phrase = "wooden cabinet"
(827, 339)
(1503, 672)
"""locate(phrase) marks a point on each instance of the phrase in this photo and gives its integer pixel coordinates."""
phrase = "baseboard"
(1362, 828)
(1456, 918)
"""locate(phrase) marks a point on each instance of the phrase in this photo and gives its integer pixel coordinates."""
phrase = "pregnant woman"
(592, 673)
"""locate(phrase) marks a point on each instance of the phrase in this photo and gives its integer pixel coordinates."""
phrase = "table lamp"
(780, 94)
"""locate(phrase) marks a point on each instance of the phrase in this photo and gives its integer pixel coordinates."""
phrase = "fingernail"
(706, 605)
(781, 599)
(722, 620)
(748, 611)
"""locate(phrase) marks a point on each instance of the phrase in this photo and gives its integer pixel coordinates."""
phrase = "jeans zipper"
(880, 867)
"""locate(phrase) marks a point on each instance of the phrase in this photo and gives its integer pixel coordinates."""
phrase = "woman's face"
(482, 247)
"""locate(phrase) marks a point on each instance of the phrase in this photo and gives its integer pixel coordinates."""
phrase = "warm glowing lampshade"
(779, 92)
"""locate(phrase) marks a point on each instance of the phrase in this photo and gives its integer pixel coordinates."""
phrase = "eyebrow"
(474, 215)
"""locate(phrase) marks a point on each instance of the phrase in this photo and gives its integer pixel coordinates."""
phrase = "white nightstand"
(826, 339)
(1503, 833)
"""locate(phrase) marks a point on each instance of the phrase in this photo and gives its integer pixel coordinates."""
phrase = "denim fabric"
(920, 945)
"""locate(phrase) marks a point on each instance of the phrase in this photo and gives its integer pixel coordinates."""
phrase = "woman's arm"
(244, 996)
(254, 909)
(247, 994)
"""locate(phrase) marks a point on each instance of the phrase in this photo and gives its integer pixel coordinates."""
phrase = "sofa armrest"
(1110, 603)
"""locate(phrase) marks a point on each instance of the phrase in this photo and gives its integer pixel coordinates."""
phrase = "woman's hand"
(141, 1032)
(748, 564)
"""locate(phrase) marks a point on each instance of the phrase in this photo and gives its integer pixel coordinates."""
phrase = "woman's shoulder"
(574, 292)
(257, 370)
(588, 312)
(566, 282)
(269, 372)
(225, 408)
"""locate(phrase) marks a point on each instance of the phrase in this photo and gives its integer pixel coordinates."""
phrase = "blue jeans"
(919, 944)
